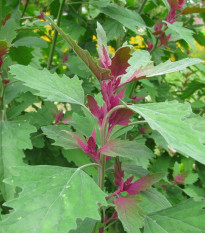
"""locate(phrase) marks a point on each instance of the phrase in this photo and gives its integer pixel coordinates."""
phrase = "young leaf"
(50, 86)
(128, 212)
(179, 32)
(193, 9)
(51, 200)
(133, 150)
(139, 60)
(103, 51)
(150, 70)
(14, 137)
(128, 18)
(99, 72)
(144, 183)
(185, 217)
(174, 122)
(119, 62)
(62, 136)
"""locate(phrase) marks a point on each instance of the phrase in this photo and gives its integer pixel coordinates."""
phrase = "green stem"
(24, 10)
(142, 6)
(50, 58)
(103, 142)
(0, 14)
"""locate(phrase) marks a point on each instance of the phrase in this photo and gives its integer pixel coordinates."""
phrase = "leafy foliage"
(172, 120)
(102, 116)
(55, 199)
(69, 90)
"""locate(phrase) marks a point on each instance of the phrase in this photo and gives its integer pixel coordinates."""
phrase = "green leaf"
(195, 192)
(74, 29)
(31, 41)
(78, 122)
(62, 136)
(139, 59)
(164, 68)
(174, 122)
(22, 55)
(113, 29)
(50, 86)
(133, 150)
(128, 18)
(85, 226)
(43, 117)
(99, 72)
(179, 32)
(8, 31)
(14, 137)
(128, 212)
(51, 200)
(153, 201)
(201, 172)
(184, 217)
(80, 158)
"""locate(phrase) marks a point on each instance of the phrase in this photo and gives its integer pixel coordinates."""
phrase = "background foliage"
(49, 140)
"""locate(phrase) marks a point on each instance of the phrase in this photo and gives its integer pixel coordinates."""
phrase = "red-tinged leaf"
(193, 9)
(58, 117)
(128, 212)
(176, 4)
(80, 142)
(103, 51)
(158, 26)
(133, 150)
(93, 106)
(163, 39)
(119, 173)
(3, 47)
(119, 61)
(164, 68)
(143, 183)
(84, 55)
(120, 117)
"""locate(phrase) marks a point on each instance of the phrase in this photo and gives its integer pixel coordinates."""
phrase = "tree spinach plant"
(105, 172)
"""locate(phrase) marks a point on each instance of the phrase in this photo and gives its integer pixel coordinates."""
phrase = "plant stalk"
(50, 58)
(142, 6)
(103, 142)
(0, 14)
(24, 10)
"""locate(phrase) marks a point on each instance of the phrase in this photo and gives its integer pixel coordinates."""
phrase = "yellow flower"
(64, 67)
(172, 57)
(95, 38)
(180, 47)
(111, 49)
(139, 40)
(46, 38)
(36, 30)
(65, 50)
(47, 13)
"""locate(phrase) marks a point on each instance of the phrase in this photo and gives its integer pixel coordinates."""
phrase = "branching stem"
(24, 10)
(50, 58)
